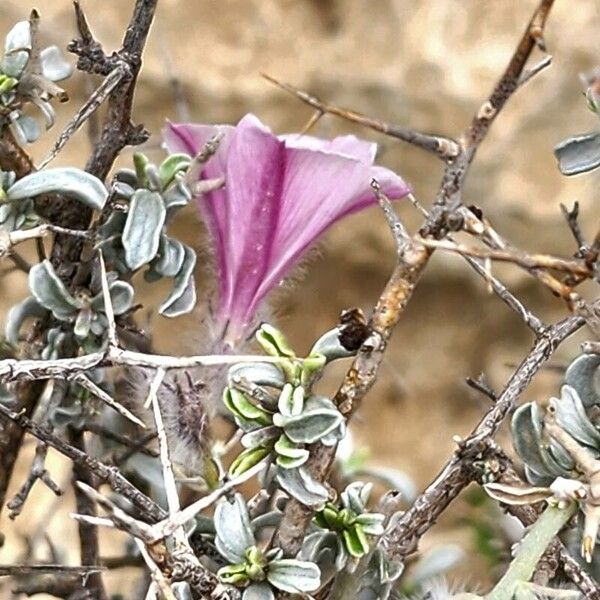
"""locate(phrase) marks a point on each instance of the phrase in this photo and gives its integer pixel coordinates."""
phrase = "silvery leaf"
(121, 296)
(66, 181)
(234, 530)
(292, 462)
(525, 441)
(435, 563)
(143, 228)
(299, 484)
(572, 417)
(270, 519)
(48, 113)
(260, 437)
(182, 298)
(330, 347)
(19, 37)
(258, 591)
(127, 176)
(293, 576)
(285, 447)
(258, 373)
(177, 195)
(54, 65)
(47, 288)
(315, 422)
(291, 400)
(578, 154)
(353, 497)
(27, 129)
(583, 374)
(30, 308)
(325, 548)
(372, 523)
(171, 254)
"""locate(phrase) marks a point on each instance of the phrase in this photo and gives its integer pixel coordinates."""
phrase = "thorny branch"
(413, 257)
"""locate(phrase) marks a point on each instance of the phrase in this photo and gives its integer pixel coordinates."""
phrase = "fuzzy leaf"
(258, 591)
(47, 288)
(293, 576)
(54, 65)
(316, 421)
(371, 523)
(234, 530)
(263, 374)
(143, 228)
(299, 484)
(330, 347)
(356, 541)
(16, 42)
(240, 406)
(182, 298)
(582, 375)
(171, 254)
(173, 164)
(291, 401)
(121, 296)
(578, 154)
(260, 437)
(247, 459)
(66, 181)
(273, 342)
(30, 308)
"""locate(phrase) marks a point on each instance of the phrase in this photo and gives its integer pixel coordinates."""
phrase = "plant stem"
(530, 550)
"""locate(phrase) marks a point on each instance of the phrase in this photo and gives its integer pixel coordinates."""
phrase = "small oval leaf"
(182, 298)
(578, 154)
(47, 288)
(143, 228)
(67, 181)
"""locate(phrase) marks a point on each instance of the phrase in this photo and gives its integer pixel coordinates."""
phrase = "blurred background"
(425, 64)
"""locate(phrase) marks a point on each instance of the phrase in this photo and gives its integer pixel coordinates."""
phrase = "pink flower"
(280, 194)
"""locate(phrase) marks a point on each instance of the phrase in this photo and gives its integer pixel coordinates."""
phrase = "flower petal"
(189, 139)
(347, 145)
(319, 189)
(254, 180)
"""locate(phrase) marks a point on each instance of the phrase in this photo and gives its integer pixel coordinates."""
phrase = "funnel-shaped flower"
(280, 195)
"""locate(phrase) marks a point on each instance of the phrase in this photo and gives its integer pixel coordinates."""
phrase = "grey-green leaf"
(583, 374)
(330, 347)
(234, 530)
(258, 591)
(299, 484)
(121, 297)
(143, 228)
(293, 576)
(30, 308)
(578, 154)
(171, 254)
(66, 181)
(47, 288)
(182, 298)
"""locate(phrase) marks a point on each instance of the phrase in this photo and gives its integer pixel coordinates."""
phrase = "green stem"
(530, 550)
